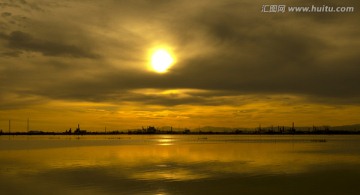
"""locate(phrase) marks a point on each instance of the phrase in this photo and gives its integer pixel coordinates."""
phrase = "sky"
(86, 62)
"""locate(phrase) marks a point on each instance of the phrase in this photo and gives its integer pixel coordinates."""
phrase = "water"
(180, 164)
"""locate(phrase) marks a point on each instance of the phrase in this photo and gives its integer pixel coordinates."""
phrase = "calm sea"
(180, 164)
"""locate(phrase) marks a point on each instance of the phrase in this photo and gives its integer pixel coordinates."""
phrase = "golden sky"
(69, 62)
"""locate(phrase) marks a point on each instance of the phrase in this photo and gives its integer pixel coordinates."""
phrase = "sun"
(161, 60)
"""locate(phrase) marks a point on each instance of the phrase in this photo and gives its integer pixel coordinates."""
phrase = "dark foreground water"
(180, 164)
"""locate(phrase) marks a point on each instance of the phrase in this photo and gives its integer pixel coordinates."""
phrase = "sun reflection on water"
(165, 140)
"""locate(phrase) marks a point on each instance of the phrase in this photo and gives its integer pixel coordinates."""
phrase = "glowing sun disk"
(161, 61)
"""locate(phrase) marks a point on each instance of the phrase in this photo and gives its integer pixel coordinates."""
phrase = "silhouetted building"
(292, 130)
(151, 130)
(33, 132)
(79, 131)
(68, 131)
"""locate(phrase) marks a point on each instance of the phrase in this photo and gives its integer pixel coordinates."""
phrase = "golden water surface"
(179, 164)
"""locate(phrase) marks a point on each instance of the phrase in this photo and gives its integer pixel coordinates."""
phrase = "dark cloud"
(22, 4)
(6, 14)
(258, 55)
(19, 101)
(312, 55)
(21, 41)
(11, 53)
(5, 5)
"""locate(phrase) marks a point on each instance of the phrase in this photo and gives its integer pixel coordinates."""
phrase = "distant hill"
(354, 127)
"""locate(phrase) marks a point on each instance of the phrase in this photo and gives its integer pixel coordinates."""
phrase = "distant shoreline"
(334, 132)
